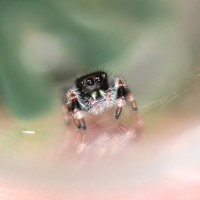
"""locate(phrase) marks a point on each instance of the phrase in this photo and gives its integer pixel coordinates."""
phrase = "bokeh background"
(45, 45)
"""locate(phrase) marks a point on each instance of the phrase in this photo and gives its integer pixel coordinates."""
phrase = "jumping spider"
(94, 93)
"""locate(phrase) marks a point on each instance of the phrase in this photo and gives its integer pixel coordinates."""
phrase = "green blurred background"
(45, 44)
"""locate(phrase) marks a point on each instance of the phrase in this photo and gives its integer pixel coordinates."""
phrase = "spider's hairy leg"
(119, 108)
(123, 93)
(78, 119)
(74, 109)
(139, 121)
(132, 101)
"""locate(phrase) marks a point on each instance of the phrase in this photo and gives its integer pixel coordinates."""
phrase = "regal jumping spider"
(94, 93)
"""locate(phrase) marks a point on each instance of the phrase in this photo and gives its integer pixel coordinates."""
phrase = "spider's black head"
(94, 82)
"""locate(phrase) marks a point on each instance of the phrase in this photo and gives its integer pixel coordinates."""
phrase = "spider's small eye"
(90, 81)
(104, 75)
(98, 79)
(82, 82)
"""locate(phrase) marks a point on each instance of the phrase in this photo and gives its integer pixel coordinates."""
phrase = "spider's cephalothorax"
(94, 93)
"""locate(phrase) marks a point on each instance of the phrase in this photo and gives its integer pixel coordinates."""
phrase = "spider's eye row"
(82, 82)
(98, 79)
(90, 81)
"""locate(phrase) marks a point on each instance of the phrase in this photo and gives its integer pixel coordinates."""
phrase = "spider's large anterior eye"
(90, 81)
(98, 79)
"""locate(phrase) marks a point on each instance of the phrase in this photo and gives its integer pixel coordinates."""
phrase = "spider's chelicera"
(94, 93)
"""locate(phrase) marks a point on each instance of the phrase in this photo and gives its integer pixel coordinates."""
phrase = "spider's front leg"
(123, 94)
(74, 109)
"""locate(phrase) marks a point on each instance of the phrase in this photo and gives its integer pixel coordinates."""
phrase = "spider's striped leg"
(78, 119)
(122, 94)
(76, 115)
(119, 107)
(138, 116)
(74, 109)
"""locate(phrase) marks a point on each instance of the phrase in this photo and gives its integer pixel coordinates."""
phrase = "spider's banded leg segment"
(132, 101)
(119, 108)
(75, 112)
(120, 96)
(78, 119)
(75, 120)
(123, 93)
(81, 121)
